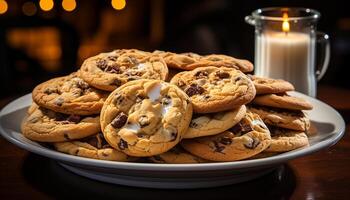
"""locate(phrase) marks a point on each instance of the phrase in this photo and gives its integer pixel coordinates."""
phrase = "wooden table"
(322, 175)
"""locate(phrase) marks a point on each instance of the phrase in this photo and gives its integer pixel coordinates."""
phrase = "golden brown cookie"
(214, 89)
(70, 95)
(214, 123)
(145, 117)
(44, 125)
(177, 155)
(246, 139)
(190, 61)
(108, 71)
(264, 85)
(283, 140)
(282, 100)
(94, 146)
(290, 119)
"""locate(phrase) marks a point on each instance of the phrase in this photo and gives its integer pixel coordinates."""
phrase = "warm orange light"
(46, 5)
(3, 6)
(285, 24)
(69, 5)
(29, 8)
(118, 4)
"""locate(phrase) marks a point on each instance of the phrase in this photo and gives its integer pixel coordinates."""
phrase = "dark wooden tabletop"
(322, 175)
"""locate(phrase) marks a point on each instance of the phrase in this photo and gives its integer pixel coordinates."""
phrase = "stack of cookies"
(118, 106)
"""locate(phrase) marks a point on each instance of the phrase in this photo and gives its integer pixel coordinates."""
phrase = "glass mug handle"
(323, 39)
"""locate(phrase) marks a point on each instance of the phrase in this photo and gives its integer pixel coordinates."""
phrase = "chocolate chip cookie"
(70, 95)
(177, 155)
(282, 100)
(246, 139)
(214, 89)
(283, 140)
(264, 85)
(190, 61)
(108, 71)
(290, 119)
(145, 117)
(45, 125)
(214, 123)
(94, 146)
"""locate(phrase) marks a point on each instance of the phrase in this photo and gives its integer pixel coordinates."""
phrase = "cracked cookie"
(282, 100)
(45, 125)
(283, 140)
(214, 89)
(290, 119)
(108, 71)
(94, 146)
(177, 155)
(264, 85)
(214, 123)
(190, 61)
(70, 95)
(145, 117)
(246, 139)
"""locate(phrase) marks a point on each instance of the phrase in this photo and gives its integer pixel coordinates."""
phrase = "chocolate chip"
(222, 74)
(76, 152)
(66, 136)
(218, 148)
(238, 78)
(101, 63)
(82, 84)
(114, 69)
(252, 144)
(119, 120)
(225, 140)
(139, 98)
(112, 58)
(143, 121)
(173, 136)
(141, 135)
(132, 78)
(122, 144)
(241, 128)
(51, 90)
(93, 141)
(133, 60)
(194, 89)
(193, 124)
(74, 118)
(59, 101)
(166, 100)
(201, 74)
(118, 99)
(116, 82)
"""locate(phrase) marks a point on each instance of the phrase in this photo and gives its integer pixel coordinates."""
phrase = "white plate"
(329, 123)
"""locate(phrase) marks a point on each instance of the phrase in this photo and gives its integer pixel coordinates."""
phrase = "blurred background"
(40, 39)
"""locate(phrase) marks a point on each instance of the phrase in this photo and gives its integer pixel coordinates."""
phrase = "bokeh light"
(29, 8)
(46, 5)
(118, 4)
(3, 6)
(69, 5)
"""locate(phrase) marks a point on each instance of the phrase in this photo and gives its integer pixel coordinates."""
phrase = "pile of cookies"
(165, 107)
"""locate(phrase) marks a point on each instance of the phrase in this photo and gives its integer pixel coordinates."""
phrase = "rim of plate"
(280, 158)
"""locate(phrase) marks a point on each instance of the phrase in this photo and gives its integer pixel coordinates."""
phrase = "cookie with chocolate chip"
(177, 155)
(45, 125)
(290, 119)
(264, 85)
(94, 146)
(214, 89)
(190, 61)
(108, 71)
(145, 117)
(283, 140)
(246, 139)
(214, 123)
(70, 95)
(282, 100)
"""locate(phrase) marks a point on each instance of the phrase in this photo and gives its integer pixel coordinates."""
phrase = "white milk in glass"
(288, 56)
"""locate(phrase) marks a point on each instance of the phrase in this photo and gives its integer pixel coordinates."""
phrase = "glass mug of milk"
(285, 46)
